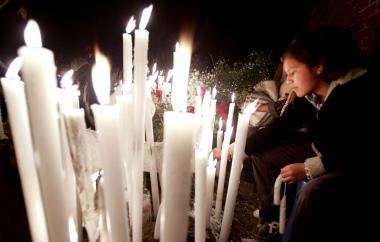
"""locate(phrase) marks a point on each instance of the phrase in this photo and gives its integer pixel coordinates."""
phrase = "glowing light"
(251, 108)
(101, 78)
(14, 68)
(145, 17)
(179, 97)
(214, 92)
(67, 79)
(233, 97)
(32, 34)
(170, 75)
(131, 25)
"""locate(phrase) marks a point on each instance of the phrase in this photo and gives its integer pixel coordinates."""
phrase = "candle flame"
(152, 78)
(32, 34)
(67, 79)
(14, 68)
(220, 123)
(154, 68)
(170, 75)
(131, 25)
(214, 92)
(251, 108)
(199, 92)
(145, 16)
(176, 48)
(233, 97)
(101, 78)
(181, 76)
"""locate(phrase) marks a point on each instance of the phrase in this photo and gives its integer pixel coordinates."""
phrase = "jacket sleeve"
(259, 139)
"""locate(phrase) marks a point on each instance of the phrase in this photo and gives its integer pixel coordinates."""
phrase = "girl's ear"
(320, 67)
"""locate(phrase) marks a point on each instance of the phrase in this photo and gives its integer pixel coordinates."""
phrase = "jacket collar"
(350, 75)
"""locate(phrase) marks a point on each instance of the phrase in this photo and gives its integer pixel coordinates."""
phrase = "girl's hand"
(217, 153)
(293, 173)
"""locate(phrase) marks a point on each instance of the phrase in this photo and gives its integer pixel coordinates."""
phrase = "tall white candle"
(106, 119)
(179, 129)
(127, 52)
(39, 74)
(18, 116)
(231, 109)
(125, 104)
(198, 101)
(106, 123)
(210, 186)
(222, 172)
(213, 103)
(233, 184)
(149, 112)
(206, 103)
(237, 165)
(69, 175)
(201, 157)
(140, 65)
(219, 135)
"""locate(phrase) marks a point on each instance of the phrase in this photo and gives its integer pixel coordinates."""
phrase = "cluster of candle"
(53, 160)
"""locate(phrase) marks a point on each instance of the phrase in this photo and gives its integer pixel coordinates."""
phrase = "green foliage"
(238, 77)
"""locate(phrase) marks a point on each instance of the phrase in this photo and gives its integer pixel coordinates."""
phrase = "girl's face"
(302, 79)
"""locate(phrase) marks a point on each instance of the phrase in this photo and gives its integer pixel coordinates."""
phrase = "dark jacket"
(341, 130)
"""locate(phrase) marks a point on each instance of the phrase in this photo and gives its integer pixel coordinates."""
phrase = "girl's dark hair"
(328, 46)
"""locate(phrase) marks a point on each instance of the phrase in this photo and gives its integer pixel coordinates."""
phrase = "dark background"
(229, 29)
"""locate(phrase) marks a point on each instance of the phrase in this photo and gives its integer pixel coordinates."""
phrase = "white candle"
(231, 109)
(39, 74)
(206, 104)
(166, 87)
(219, 135)
(233, 184)
(69, 175)
(213, 104)
(210, 186)
(237, 165)
(140, 65)
(125, 104)
(222, 172)
(179, 130)
(149, 112)
(18, 116)
(68, 100)
(127, 52)
(106, 123)
(198, 101)
(201, 157)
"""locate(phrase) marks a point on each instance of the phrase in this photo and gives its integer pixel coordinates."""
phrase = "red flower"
(222, 109)
(190, 109)
(203, 91)
(158, 92)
